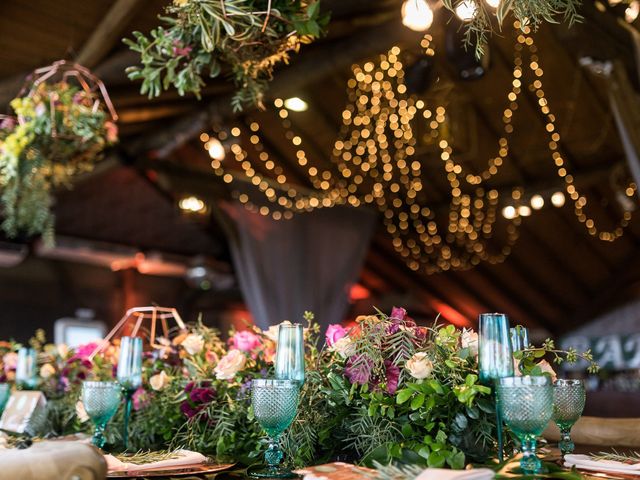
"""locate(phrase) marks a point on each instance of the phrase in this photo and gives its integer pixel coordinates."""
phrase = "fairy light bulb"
(215, 149)
(537, 202)
(509, 212)
(557, 199)
(296, 104)
(466, 10)
(524, 211)
(417, 15)
(632, 11)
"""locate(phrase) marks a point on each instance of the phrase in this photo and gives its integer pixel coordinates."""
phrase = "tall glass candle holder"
(129, 375)
(289, 363)
(27, 368)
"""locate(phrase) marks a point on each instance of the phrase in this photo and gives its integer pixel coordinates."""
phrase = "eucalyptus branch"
(571, 355)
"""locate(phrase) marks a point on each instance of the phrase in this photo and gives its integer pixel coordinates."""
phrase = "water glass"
(495, 358)
(519, 338)
(5, 393)
(568, 403)
(101, 401)
(526, 404)
(129, 375)
(289, 362)
(275, 404)
(27, 368)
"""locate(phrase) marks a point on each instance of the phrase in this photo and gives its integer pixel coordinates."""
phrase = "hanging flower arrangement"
(244, 38)
(63, 122)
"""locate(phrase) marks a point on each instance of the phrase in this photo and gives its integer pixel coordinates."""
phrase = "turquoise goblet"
(5, 393)
(289, 362)
(568, 403)
(275, 404)
(129, 375)
(526, 404)
(101, 401)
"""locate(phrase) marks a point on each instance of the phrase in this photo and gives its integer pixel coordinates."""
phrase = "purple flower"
(202, 395)
(7, 123)
(179, 50)
(188, 410)
(334, 333)
(189, 387)
(392, 372)
(398, 314)
(358, 369)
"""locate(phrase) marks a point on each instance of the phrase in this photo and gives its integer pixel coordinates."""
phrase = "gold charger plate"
(178, 471)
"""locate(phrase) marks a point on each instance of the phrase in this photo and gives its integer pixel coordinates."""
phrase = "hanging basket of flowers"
(63, 120)
(242, 38)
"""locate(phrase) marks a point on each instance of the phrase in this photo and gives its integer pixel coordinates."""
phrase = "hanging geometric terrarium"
(63, 121)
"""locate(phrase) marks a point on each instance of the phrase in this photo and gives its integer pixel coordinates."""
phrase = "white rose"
(419, 366)
(469, 339)
(159, 381)
(547, 368)
(47, 370)
(272, 331)
(345, 347)
(193, 344)
(82, 414)
(230, 364)
(63, 350)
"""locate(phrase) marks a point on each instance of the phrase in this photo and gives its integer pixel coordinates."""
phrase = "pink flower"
(245, 341)
(111, 130)
(392, 372)
(334, 333)
(140, 399)
(84, 351)
(10, 361)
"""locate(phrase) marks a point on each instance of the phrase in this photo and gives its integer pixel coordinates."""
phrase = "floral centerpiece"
(59, 130)
(396, 391)
(207, 37)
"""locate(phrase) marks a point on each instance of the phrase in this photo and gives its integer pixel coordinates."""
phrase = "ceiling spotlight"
(466, 10)
(524, 211)
(296, 104)
(192, 204)
(493, 3)
(557, 199)
(215, 148)
(509, 212)
(537, 202)
(417, 15)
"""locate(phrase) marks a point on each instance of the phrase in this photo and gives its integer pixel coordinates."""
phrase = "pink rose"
(84, 351)
(10, 361)
(334, 333)
(398, 314)
(141, 399)
(245, 341)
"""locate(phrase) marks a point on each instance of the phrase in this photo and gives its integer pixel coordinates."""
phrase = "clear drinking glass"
(101, 401)
(519, 338)
(129, 376)
(27, 368)
(5, 393)
(527, 405)
(289, 362)
(495, 358)
(568, 403)
(275, 404)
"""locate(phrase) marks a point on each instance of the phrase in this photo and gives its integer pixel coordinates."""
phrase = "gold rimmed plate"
(178, 471)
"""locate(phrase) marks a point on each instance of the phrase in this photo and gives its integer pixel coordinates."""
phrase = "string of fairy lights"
(374, 163)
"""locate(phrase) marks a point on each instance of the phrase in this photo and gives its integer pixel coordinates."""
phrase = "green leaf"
(417, 401)
(435, 460)
(403, 395)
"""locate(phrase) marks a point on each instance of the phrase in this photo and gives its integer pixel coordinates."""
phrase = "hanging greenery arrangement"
(244, 38)
(63, 121)
(479, 16)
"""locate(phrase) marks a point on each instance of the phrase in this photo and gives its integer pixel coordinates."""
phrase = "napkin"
(587, 463)
(445, 474)
(184, 458)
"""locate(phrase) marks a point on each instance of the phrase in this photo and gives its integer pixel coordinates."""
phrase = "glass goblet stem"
(98, 439)
(128, 396)
(273, 455)
(499, 430)
(566, 444)
(530, 463)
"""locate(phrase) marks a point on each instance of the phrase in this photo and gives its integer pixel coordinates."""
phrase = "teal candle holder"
(129, 375)
(27, 368)
(5, 393)
(289, 362)
(495, 359)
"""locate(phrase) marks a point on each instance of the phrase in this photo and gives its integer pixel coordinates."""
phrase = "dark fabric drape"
(306, 263)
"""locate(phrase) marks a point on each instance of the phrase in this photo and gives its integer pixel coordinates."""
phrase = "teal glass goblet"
(27, 368)
(289, 362)
(5, 393)
(101, 401)
(526, 404)
(129, 375)
(569, 398)
(275, 404)
(495, 359)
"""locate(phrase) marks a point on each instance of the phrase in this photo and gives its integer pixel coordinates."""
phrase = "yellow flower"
(180, 3)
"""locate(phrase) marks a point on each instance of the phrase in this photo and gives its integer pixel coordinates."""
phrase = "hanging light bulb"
(632, 11)
(215, 149)
(417, 15)
(537, 202)
(296, 104)
(493, 3)
(509, 212)
(557, 199)
(524, 211)
(466, 10)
